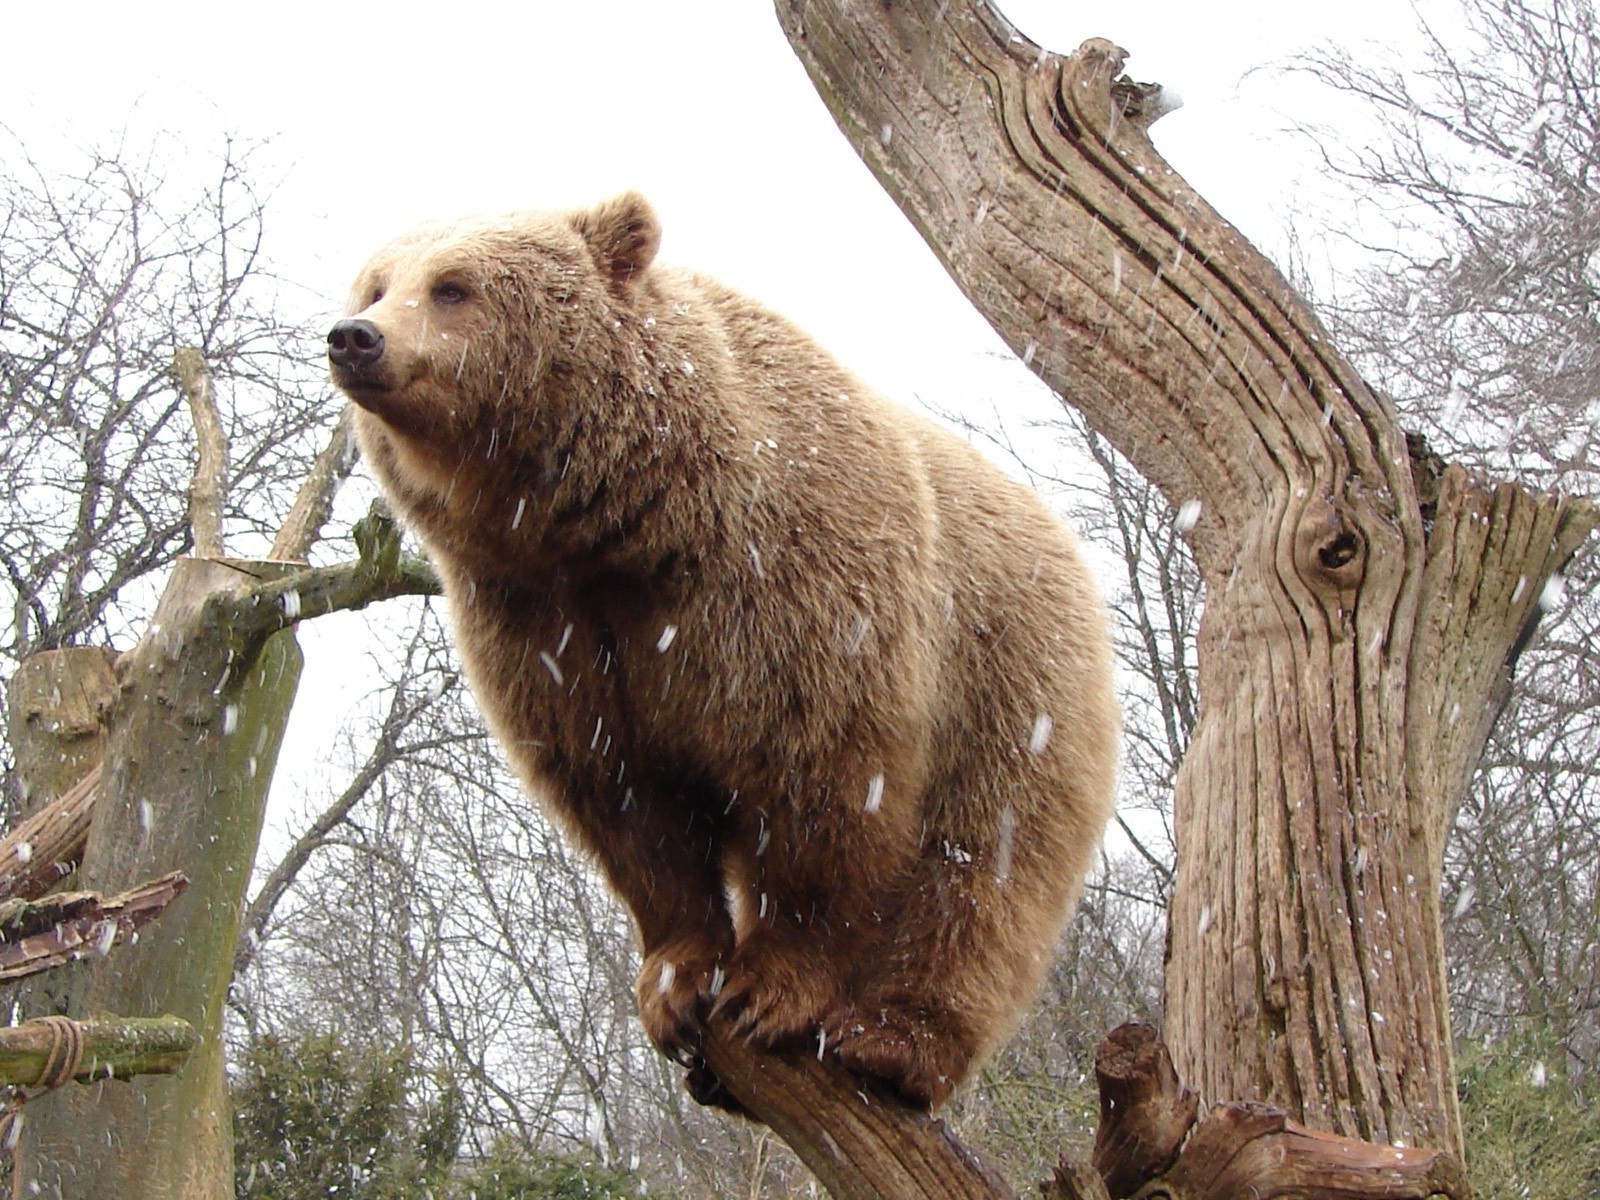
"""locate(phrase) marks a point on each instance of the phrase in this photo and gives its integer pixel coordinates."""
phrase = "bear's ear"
(623, 235)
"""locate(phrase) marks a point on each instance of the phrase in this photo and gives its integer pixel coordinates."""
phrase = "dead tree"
(1365, 601)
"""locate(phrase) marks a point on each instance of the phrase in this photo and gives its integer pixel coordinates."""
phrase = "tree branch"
(208, 488)
(113, 1048)
(860, 1145)
(314, 502)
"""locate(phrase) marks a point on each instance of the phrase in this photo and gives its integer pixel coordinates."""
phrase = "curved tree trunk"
(1363, 606)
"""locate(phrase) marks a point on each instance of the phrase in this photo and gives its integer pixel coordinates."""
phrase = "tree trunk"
(1363, 609)
(191, 750)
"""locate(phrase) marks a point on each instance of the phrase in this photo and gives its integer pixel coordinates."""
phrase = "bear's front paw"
(779, 993)
(676, 986)
(918, 1055)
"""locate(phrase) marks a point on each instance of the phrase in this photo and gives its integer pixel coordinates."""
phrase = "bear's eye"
(377, 294)
(449, 293)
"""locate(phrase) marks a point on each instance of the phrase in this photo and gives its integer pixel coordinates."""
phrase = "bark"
(1361, 614)
(36, 936)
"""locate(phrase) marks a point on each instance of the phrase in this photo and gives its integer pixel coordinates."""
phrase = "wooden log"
(113, 1048)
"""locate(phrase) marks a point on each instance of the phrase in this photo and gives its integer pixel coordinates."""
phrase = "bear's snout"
(354, 343)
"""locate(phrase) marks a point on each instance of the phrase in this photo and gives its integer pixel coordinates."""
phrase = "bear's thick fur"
(826, 695)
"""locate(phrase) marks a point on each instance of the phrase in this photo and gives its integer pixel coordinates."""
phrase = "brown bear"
(825, 694)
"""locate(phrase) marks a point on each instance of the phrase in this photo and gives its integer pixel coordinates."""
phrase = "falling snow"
(552, 666)
(875, 794)
(1553, 595)
(664, 642)
(1006, 843)
(1188, 516)
(1043, 726)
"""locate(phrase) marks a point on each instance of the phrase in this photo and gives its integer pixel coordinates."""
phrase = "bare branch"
(208, 488)
(314, 502)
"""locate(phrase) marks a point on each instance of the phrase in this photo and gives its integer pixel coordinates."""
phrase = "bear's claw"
(917, 1057)
(675, 988)
(779, 994)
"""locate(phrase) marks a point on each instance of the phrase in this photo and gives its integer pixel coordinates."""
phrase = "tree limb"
(208, 488)
(113, 1048)
(314, 502)
(860, 1145)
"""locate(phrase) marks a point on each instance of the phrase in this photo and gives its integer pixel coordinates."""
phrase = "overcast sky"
(377, 116)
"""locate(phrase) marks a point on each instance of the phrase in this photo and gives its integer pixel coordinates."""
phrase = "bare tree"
(1361, 603)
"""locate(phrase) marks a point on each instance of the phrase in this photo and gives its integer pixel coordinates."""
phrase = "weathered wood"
(314, 501)
(1149, 1145)
(1256, 1151)
(57, 705)
(39, 935)
(46, 848)
(1145, 1112)
(113, 1048)
(860, 1145)
(1356, 635)
(208, 488)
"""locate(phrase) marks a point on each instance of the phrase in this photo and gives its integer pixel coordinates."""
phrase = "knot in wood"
(1330, 551)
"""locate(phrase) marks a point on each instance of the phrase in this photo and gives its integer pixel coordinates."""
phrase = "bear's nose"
(354, 342)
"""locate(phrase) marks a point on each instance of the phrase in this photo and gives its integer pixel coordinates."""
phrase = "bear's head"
(450, 322)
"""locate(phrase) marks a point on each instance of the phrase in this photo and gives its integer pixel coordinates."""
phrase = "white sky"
(380, 115)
